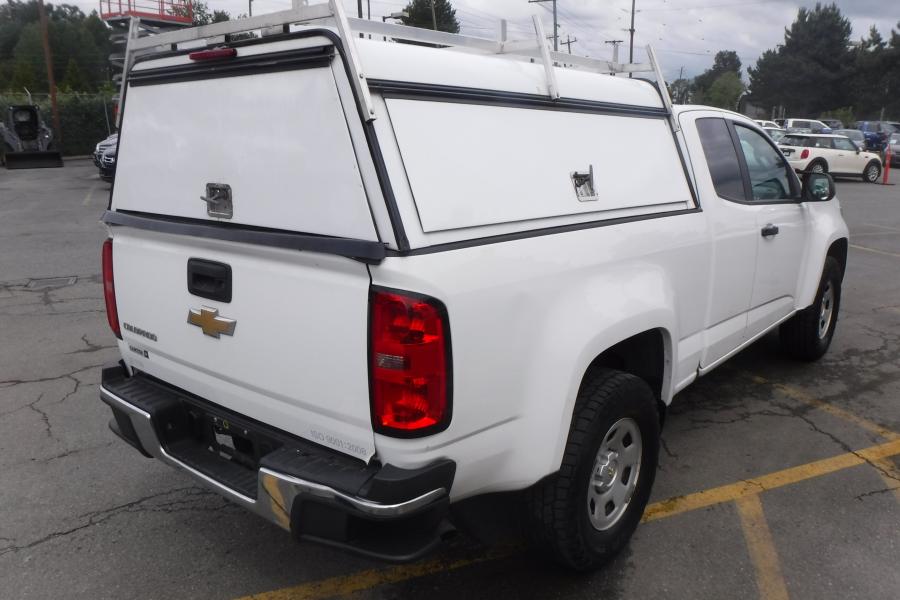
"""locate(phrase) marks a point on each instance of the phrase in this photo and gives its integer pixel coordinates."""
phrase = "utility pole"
(631, 42)
(359, 8)
(615, 45)
(433, 17)
(681, 73)
(51, 81)
(555, 25)
(249, 8)
(569, 41)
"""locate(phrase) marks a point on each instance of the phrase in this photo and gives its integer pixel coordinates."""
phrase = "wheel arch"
(838, 250)
(829, 237)
(647, 353)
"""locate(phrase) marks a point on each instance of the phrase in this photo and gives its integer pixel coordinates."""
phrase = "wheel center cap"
(606, 470)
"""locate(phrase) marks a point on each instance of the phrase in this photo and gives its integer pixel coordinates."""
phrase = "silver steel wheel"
(826, 309)
(872, 173)
(817, 168)
(615, 474)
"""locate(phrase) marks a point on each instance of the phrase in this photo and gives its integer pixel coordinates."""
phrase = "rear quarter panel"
(527, 317)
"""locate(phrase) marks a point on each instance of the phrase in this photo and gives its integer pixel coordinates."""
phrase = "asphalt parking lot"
(777, 479)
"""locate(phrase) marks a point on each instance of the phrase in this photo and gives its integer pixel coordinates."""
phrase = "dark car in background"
(108, 163)
(833, 123)
(877, 133)
(858, 137)
(103, 146)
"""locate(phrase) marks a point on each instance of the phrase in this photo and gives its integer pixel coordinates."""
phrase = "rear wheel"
(587, 512)
(818, 166)
(872, 172)
(808, 334)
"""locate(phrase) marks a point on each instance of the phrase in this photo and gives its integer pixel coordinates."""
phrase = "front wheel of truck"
(586, 513)
(808, 334)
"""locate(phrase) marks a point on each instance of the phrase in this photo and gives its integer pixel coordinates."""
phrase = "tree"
(726, 61)
(420, 15)
(22, 78)
(202, 15)
(813, 70)
(72, 35)
(74, 79)
(725, 91)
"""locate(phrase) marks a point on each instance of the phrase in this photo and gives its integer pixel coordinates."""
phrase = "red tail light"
(805, 153)
(214, 54)
(409, 364)
(109, 289)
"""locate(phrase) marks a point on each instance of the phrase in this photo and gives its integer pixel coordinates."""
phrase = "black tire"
(801, 336)
(559, 505)
(872, 172)
(811, 167)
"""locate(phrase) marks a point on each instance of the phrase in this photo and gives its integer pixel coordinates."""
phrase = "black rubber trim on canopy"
(371, 252)
(273, 62)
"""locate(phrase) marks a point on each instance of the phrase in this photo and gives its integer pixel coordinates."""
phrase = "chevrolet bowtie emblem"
(210, 322)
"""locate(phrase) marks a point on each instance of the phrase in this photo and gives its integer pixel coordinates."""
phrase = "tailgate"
(270, 125)
(296, 358)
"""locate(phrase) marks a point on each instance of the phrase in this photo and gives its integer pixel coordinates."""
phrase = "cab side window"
(722, 158)
(767, 168)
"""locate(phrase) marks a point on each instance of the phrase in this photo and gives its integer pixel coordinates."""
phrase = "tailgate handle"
(209, 279)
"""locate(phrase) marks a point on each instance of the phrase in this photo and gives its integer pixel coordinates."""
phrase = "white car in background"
(804, 126)
(826, 153)
(767, 124)
(776, 133)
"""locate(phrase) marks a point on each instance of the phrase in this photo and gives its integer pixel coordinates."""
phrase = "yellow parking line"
(800, 395)
(864, 248)
(769, 580)
(886, 468)
(89, 196)
(734, 491)
(344, 585)
(744, 493)
(890, 473)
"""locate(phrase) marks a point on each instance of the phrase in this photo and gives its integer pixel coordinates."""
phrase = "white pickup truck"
(355, 282)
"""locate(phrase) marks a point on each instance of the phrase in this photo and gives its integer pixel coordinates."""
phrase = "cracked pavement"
(84, 515)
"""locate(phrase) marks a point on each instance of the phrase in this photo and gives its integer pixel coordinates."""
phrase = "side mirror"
(818, 187)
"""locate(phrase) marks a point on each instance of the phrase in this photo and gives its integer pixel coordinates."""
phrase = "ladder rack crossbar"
(305, 14)
(331, 14)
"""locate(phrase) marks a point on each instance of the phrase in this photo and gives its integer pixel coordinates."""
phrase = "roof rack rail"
(331, 13)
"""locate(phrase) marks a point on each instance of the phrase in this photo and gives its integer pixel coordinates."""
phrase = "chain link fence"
(85, 118)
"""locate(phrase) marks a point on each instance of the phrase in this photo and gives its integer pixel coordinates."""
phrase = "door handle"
(769, 230)
(209, 279)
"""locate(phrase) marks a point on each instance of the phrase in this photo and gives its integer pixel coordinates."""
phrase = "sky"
(685, 33)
